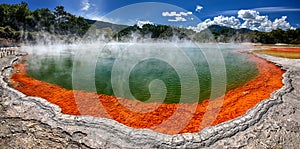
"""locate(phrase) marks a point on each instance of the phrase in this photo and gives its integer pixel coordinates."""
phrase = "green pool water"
(57, 67)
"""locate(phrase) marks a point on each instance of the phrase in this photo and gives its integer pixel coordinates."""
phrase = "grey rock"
(30, 122)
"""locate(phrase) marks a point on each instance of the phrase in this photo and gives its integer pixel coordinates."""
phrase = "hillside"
(20, 24)
(214, 33)
(102, 24)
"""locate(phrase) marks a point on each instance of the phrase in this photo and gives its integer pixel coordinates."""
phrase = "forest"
(19, 23)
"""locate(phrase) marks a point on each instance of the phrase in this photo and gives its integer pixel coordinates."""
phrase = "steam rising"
(79, 57)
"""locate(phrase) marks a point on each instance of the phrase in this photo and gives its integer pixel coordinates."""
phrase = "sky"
(262, 15)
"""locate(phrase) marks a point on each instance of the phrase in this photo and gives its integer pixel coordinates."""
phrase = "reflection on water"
(57, 68)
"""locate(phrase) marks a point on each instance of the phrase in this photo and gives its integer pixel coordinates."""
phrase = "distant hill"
(213, 33)
(155, 32)
(216, 29)
(102, 24)
(225, 34)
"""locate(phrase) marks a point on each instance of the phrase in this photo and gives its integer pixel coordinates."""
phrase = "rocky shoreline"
(34, 122)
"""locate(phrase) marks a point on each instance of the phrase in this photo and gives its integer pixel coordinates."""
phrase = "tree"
(4, 12)
(43, 19)
(60, 14)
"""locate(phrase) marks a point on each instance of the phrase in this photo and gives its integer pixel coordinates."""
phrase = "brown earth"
(285, 49)
(236, 102)
(285, 52)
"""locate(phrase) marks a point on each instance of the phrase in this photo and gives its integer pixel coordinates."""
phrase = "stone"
(29, 122)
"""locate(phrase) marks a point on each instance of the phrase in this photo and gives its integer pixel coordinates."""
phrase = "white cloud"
(168, 14)
(265, 26)
(248, 14)
(251, 20)
(254, 21)
(281, 23)
(219, 20)
(85, 5)
(201, 26)
(141, 23)
(177, 16)
(227, 21)
(177, 19)
(198, 8)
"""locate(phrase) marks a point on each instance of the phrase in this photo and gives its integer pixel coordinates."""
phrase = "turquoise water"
(57, 68)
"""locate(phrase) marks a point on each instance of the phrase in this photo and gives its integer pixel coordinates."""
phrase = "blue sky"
(259, 14)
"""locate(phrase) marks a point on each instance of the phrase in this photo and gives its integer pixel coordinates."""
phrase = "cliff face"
(34, 122)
